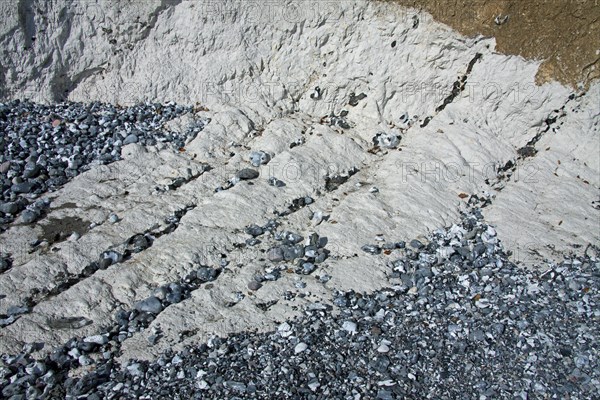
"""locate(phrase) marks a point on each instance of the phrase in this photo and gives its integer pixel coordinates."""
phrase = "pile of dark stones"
(458, 319)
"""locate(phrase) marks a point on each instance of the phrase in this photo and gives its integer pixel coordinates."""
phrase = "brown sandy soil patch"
(565, 34)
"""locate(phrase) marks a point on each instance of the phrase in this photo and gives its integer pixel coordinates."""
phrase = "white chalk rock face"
(295, 93)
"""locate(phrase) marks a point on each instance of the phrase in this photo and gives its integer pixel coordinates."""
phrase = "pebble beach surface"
(43, 147)
(297, 200)
(462, 321)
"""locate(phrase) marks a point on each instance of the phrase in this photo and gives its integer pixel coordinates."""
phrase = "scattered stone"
(371, 249)
(29, 216)
(354, 99)
(383, 348)
(443, 315)
(316, 93)
(254, 230)
(132, 138)
(18, 310)
(9, 208)
(350, 326)
(98, 339)
(275, 254)
(247, 174)
(150, 305)
(386, 140)
(416, 244)
(300, 347)
(24, 187)
(318, 217)
(206, 274)
(4, 167)
(74, 237)
(276, 182)
(253, 285)
(308, 268)
(45, 146)
(258, 158)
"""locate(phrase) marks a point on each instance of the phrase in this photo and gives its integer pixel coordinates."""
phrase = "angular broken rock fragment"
(386, 140)
(273, 275)
(292, 252)
(109, 258)
(312, 239)
(306, 268)
(276, 182)
(175, 295)
(254, 230)
(161, 292)
(322, 255)
(398, 266)
(7, 321)
(391, 246)
(332, 182)
(97, 339)
(310, 251)
(298, 142)
(18, 310)
(318, 217)
(290, 237)
(371, 249)
(275, 254)
(354, 99)
(340, 120)
(139, 243)
(316, 93)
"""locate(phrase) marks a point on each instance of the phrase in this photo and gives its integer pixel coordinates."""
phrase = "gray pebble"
(416, 244)
(30, 216)
(247, 174)
(253, 285)
(25, 187)
(258, 158)
(9, 208)
(130, 139)
(371, 249)
(151, 305)
(275, 254)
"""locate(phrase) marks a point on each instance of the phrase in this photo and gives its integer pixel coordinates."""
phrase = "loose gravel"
(42, 147)
(459, 320)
